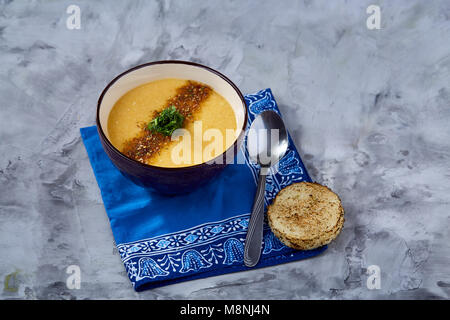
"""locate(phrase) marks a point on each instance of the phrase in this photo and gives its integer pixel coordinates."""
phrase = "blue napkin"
(169, 239)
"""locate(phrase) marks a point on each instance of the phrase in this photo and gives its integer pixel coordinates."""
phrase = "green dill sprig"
(167, 121)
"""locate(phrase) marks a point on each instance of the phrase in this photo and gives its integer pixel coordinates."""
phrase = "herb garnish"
(167, 121)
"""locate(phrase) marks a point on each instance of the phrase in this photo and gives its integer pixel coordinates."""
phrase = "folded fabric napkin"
(169, 239)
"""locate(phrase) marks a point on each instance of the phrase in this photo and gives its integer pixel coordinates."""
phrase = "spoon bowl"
(267, 140)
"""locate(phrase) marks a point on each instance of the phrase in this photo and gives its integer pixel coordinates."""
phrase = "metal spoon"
(267, 143)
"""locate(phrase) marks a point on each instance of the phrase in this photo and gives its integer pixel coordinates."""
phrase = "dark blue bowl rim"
(106, 140)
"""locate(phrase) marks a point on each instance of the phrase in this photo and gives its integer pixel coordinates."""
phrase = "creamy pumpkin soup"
(172, 123)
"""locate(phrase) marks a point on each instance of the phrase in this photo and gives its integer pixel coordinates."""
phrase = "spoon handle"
(253, 241)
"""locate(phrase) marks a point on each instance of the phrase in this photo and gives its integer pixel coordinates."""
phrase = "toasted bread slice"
(306, 215)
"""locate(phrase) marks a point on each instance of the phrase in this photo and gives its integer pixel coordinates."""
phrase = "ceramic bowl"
(161, 179)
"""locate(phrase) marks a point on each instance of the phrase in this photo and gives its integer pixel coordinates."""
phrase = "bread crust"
(306, 215)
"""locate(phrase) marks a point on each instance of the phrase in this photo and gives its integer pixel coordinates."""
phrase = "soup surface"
(209, 125)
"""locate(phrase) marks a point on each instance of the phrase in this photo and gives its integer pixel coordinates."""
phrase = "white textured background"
(369, 111)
